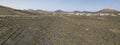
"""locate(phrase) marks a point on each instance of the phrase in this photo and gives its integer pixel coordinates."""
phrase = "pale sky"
(66, 5)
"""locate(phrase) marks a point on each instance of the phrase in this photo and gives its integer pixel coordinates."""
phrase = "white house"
(91, 14)
(104, 14)
(71, 13)
(118, 13)
(82, 13)
(77, 13)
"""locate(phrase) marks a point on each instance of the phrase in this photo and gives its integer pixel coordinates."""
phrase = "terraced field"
(60, 30)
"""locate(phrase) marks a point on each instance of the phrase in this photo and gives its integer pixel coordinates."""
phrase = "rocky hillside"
(108, 10)
(10, 11)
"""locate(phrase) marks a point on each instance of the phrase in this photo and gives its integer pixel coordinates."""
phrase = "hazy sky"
(66, 5)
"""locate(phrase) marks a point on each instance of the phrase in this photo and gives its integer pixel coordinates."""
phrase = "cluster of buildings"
(94, 14)
(88, 13)
(104, 12)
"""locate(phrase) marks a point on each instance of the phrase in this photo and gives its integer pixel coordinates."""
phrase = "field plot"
(60, 30)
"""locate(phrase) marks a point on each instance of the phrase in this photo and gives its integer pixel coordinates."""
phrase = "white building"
(118, 13)
(92, 14)
(106, 14)
(77, 13)
(71, 13)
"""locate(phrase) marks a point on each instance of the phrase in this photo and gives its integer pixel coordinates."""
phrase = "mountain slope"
(10, 11)
(108, 10)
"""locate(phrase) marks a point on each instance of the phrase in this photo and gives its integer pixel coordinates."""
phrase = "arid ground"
(60, 30)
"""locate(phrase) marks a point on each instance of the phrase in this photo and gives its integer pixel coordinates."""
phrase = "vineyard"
(60, 30)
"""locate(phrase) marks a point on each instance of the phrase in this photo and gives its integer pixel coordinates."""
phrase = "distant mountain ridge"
(108, 10)
(10, 11)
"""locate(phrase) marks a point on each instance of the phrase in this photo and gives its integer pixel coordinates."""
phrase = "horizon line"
(57, 9)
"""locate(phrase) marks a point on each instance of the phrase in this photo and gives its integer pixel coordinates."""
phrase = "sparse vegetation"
(59, 30)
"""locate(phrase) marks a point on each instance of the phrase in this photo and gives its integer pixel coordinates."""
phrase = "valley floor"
(60, 30)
